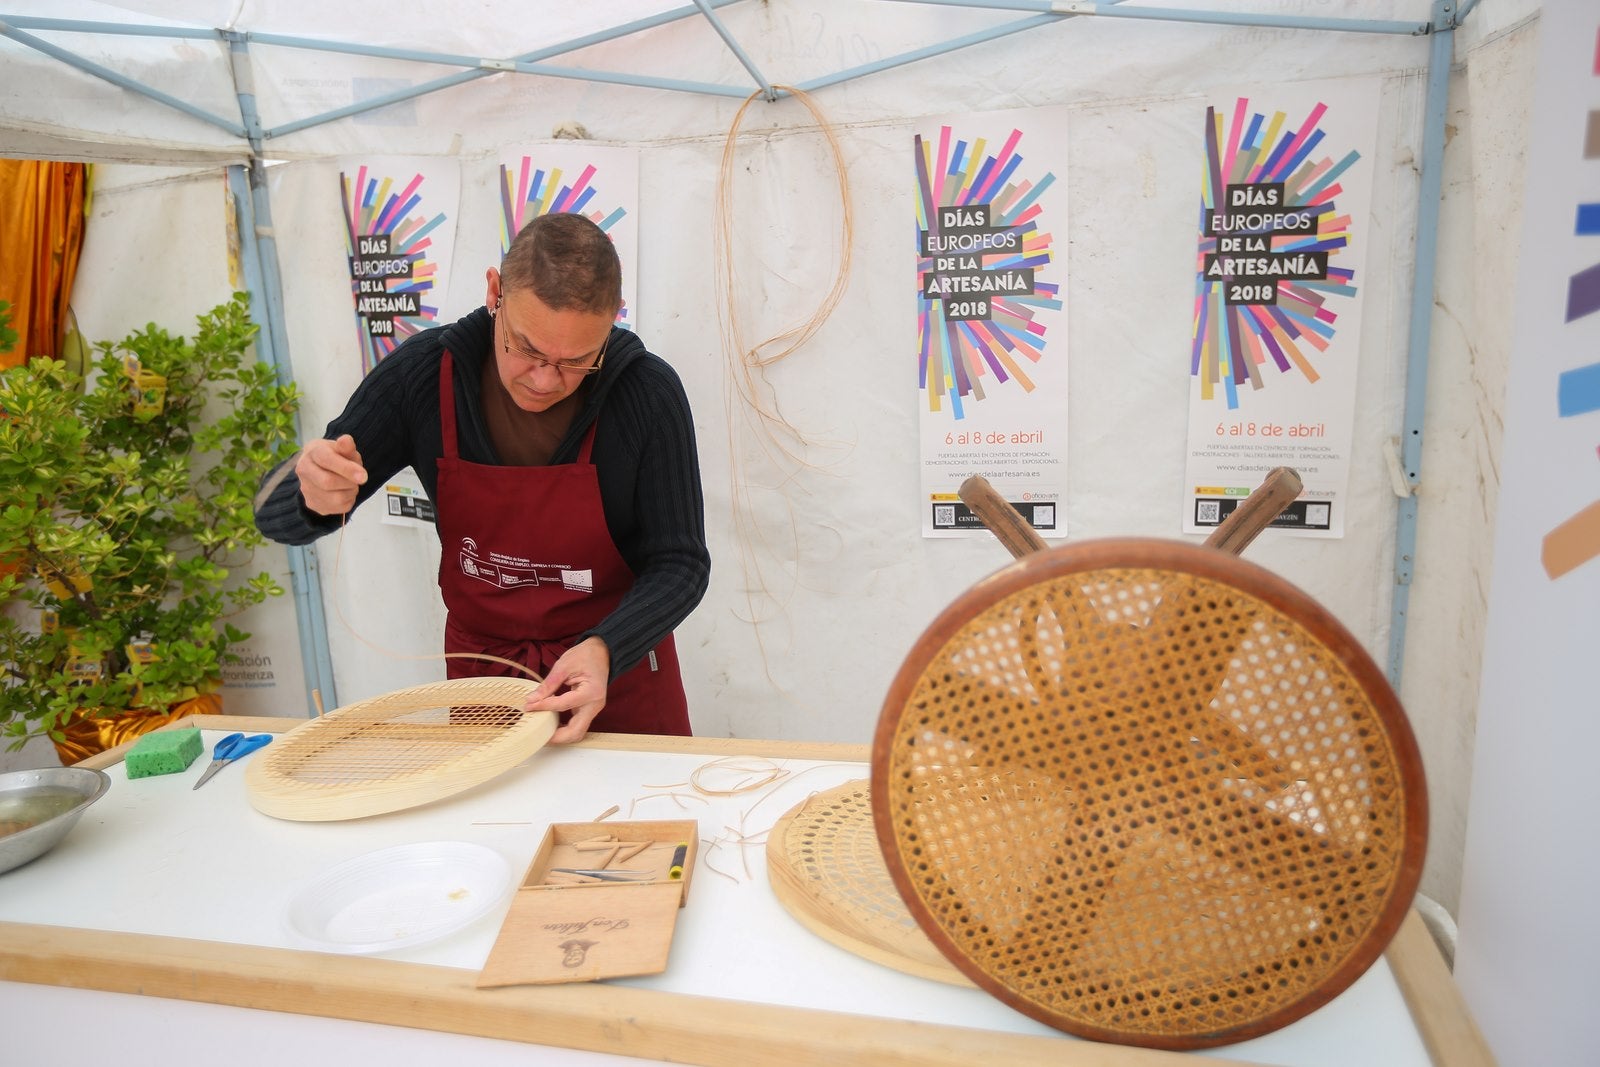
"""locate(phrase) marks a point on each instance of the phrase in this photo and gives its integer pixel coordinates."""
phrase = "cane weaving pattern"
(1149, 806)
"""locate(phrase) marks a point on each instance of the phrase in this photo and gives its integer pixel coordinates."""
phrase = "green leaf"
(150, 508)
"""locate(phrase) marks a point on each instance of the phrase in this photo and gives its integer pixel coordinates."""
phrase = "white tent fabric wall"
(856, 583)
(1478, 251)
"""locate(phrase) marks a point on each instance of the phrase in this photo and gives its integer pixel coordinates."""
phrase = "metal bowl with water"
(39, 808)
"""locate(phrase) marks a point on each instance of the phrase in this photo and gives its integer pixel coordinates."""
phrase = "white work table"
(165, 891)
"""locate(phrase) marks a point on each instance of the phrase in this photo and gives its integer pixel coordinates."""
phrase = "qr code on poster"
(944, 516)
(1208, 512)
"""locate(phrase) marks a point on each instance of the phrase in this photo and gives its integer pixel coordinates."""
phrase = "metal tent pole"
(1440, 52)
(259, 256)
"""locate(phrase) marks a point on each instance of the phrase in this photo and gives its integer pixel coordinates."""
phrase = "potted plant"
(125, 502)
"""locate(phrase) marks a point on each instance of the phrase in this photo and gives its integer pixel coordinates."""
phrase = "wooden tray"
(572, 930)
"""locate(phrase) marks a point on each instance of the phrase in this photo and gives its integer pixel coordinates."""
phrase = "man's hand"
(330, 474)
(577, 683)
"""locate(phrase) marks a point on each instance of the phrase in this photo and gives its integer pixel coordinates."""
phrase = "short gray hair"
(567, 262)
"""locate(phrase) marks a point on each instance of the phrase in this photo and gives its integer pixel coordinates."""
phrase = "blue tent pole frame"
(527, 63)
(1109, 9)
(1429, 186)
(259, 261)
(761, 80)
(890, 62)
(8, 28)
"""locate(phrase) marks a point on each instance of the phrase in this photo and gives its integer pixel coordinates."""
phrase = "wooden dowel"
(1276, 492)
(632, 851)
(1266, 503)
(1001, 518)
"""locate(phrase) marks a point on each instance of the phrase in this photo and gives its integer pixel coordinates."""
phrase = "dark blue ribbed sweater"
(644, 454)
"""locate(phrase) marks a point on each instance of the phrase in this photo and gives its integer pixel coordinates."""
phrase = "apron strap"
(447, 404)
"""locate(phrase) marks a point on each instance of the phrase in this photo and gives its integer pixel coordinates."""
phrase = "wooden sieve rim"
(1225, 569)
(277, 788)
(858, 921)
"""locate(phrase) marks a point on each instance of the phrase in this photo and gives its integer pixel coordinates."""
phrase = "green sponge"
(163, 752)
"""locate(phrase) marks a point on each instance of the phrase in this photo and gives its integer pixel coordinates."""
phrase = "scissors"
(229, 749)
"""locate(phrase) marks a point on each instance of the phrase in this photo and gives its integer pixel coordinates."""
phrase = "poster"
(264, 674)
(405, 502)
(600, 183)
(1283, 230)
(399, 217)
(1529, 932)
(991, 315)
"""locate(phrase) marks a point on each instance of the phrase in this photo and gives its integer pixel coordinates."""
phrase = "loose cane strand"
(747, 389)
(338, 609)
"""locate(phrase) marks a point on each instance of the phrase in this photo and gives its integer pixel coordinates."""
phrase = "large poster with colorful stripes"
(1281, 233)
(598, 182)
(991, 314)
(399, 228)
(1529, 932)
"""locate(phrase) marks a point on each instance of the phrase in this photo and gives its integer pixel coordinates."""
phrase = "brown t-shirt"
(525, 438)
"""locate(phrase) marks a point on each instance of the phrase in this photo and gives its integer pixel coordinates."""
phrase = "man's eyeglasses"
(565, 366)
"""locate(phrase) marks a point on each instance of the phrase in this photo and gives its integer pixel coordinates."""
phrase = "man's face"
(543, 355)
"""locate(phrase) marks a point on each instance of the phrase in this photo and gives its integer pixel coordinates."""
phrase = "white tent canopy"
(844, 582)
(303, 62)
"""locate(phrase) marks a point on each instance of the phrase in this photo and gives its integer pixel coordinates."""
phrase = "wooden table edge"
(1438, 1010)
(597, 1017)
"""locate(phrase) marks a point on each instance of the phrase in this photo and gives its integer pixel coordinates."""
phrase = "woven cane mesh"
(1148, 805)
(826, 869)
(404, 748)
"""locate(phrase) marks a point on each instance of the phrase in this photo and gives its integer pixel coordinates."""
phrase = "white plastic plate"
(398, 897)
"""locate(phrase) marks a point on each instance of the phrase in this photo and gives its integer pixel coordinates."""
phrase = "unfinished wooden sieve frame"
(399, 750)
(825, 867)
(1079, 831)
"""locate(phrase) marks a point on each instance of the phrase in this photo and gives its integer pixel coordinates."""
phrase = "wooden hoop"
(400, 750)
(826, 870)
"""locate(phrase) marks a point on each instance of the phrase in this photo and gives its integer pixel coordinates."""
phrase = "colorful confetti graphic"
(391, 272)
(980, 255)
(1576, 540)
(527, 192)
(1270, 230)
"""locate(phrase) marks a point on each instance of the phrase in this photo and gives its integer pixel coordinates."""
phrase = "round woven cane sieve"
(1149, 793)
(827, 871)
(405, 748)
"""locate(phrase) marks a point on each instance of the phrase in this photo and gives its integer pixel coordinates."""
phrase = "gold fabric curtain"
(41, 234)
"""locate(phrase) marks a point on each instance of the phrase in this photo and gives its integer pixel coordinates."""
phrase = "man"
(560, 457)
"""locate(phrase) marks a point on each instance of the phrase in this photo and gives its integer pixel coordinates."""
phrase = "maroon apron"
(527, 563)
